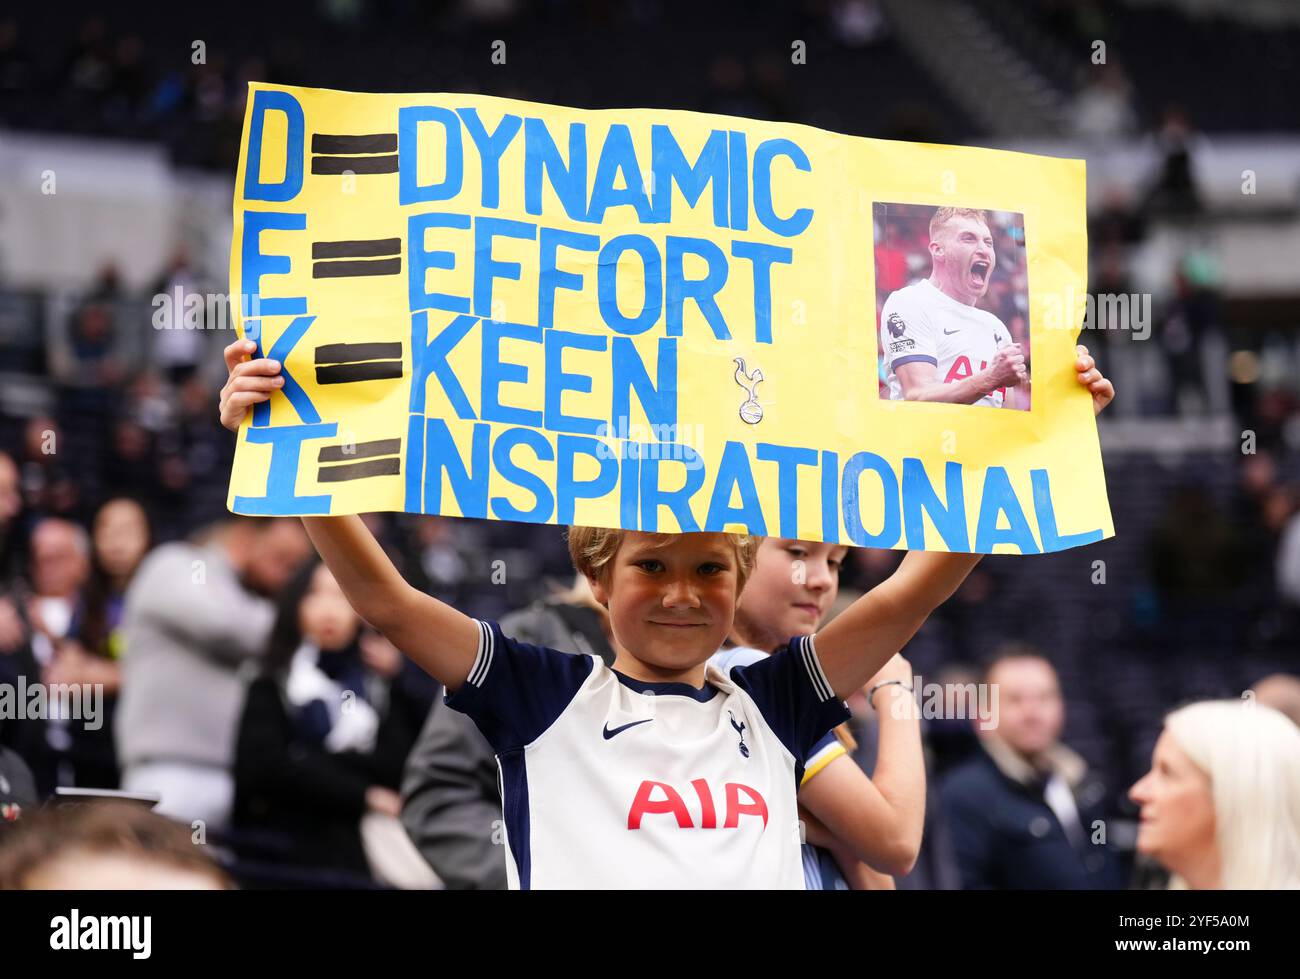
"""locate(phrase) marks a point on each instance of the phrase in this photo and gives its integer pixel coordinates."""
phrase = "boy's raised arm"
(440, 639)
(858, 642)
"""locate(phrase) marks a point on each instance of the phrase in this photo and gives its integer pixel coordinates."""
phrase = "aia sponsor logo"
(661, 799)
(961, 370)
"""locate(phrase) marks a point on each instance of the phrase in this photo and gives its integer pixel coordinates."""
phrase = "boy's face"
(793, 586)
(670, 605)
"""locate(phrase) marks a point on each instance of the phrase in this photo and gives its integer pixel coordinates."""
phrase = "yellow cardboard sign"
(661, 321)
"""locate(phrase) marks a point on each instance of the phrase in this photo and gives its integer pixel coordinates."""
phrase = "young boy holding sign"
(658, 772)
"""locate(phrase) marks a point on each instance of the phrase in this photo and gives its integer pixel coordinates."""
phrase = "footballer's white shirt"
(922, 324)
(611, 782)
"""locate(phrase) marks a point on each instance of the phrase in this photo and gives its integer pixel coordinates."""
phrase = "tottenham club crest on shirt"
(740, 730)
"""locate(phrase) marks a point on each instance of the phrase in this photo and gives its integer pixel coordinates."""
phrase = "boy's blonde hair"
(945, 214)
(592, 548)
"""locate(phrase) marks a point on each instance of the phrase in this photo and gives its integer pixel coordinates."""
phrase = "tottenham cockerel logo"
(751, 411)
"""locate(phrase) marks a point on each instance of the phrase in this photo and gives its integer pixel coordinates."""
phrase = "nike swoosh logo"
(949, 333)
(609, 733)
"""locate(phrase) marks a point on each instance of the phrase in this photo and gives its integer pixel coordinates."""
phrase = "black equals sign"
(370, 464)
(354, 154)
(343, 363)
(377, 256)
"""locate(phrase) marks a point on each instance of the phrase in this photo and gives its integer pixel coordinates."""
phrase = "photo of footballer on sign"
(952, 298)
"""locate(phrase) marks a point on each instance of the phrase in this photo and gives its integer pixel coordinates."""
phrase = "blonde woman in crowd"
(1221, 804)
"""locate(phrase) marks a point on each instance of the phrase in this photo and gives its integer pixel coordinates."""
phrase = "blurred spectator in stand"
(1112, 234)
(1288, 561)
(1268, 412)
(442, 554)
(1196, 566)
(150, 402)
(17, 788)
(325, 730)
(130, 466)
(14, 634)
(92, 654)
(88, 369)
(1281, 691)
(59, 566)
(1173, 192)
(13, 540)
(1103, 110)
(194, 454)
(17, 73)
(951, 738)
(87, 68)
(49, 485)
(1107, 325)
(1023, 814)
(487, 566)
(867, 567)
(772, 89)
(730, 92)
(178, 322)
(108, 285)
(128, 87)
(1261, 508)
(1193, 317)
(195, 612)
(958, 616)
(208, 94)
(1116, 225)
(858, 23)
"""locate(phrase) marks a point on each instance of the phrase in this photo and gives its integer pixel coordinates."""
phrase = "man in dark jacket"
(1026, 812)
(451, 800)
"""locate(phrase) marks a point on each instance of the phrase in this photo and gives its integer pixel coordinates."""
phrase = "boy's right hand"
(250, 382)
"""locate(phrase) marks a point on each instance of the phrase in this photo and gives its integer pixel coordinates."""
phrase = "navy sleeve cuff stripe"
(814, 667)
(483, 661)
(913, 359)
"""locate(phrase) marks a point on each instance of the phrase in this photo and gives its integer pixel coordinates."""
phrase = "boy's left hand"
(1091, 377)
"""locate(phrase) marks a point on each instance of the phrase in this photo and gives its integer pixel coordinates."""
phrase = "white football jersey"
(612, 782)
(820, 871)
(921, 323)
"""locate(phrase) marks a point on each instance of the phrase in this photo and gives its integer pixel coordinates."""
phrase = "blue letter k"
(292, 389)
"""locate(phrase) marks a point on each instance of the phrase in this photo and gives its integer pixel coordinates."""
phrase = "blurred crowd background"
(119, 133)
